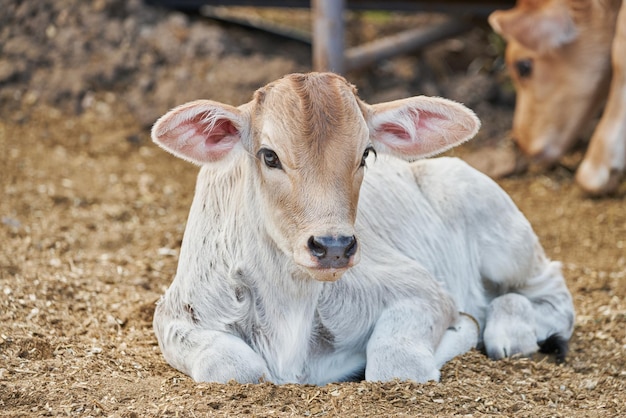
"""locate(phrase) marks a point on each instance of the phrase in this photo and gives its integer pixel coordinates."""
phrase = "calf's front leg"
(406, 338)
(208, 355)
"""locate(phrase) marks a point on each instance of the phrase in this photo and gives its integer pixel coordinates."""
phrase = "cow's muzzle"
(333, 252)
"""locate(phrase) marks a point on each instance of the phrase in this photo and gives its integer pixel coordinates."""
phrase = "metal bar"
(225, 14)
(328, 35)
(403, 42)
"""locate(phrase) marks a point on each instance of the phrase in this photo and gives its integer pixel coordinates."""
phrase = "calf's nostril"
(350, 247)
(317, 248)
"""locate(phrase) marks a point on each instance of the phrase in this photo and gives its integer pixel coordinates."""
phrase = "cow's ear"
(201, 132)
(420, 126)
(546, 27)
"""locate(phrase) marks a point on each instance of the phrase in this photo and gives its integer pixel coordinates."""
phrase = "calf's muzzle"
(331, 251)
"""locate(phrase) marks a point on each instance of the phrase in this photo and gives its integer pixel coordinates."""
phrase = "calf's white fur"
(305, 259)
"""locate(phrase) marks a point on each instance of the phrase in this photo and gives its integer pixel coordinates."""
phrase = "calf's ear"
(546, 27)
(200, 132)
(421, 126)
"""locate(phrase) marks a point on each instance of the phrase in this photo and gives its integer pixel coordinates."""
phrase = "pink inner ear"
(200, 131)
(395, 130)
(202, 139)
(430, 121)
(424, 123)
(221, 129)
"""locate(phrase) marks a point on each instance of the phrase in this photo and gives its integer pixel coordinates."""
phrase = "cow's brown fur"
(568, 43)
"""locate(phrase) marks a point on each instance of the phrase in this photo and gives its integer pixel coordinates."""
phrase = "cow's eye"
(270, 158)
(366, 154)
(524, 68)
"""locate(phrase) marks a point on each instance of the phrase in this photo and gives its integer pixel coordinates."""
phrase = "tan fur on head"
(318, 132)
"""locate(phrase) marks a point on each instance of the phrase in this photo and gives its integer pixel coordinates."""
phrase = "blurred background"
(76, 55)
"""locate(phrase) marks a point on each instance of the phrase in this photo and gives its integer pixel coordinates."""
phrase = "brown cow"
(559, 55)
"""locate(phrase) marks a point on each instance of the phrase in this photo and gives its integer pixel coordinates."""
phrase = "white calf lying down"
(306, 259)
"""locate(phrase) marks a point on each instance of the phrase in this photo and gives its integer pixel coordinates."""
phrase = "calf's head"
(558, 55)
(306, 139)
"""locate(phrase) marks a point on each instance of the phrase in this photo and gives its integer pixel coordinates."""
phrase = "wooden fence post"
(328, 35)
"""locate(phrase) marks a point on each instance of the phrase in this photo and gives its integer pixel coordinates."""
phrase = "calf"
(559, 54)
(305, 259)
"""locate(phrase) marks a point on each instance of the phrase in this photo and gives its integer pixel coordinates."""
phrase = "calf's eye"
(269, 157)
(366, 154)
(524, 68)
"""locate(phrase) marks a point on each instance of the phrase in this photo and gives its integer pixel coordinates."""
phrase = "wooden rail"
(330, 54)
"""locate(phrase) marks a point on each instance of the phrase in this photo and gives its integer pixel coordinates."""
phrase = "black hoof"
(557, 345)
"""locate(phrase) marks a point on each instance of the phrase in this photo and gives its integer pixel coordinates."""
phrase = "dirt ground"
(92, 216)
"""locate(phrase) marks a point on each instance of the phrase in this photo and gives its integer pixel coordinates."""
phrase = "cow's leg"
(539, 314)
(209, 356)
(603, 166)
(553, 309)
(530, 303)
(458, 339)
(510, 327)
(404, 341)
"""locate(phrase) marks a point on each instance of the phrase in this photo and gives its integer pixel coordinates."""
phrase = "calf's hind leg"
(510, 327)
(539, 316)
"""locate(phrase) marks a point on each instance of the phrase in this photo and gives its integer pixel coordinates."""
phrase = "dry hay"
(90, 233)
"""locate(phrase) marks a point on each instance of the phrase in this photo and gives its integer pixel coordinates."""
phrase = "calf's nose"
(331, 251)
